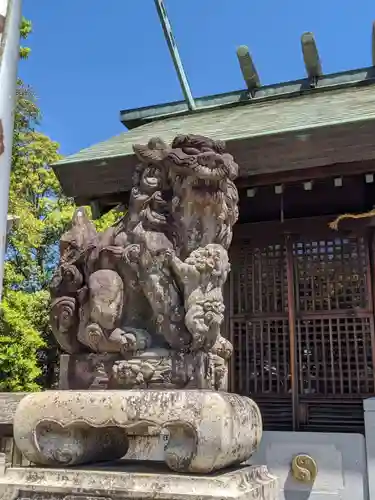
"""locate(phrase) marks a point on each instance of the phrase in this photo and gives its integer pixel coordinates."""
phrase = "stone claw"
(131, 339)
(169, 254)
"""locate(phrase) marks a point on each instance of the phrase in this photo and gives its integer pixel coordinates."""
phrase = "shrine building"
(300, 298)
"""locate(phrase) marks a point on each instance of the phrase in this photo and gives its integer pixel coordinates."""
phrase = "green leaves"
(20, 340)
(28, 351)
(35, 196)
(26, 28)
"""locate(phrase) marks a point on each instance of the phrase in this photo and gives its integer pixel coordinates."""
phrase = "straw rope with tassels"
(335, 224)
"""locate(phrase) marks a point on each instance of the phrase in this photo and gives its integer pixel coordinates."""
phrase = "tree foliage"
(35, 197)
(28, 353)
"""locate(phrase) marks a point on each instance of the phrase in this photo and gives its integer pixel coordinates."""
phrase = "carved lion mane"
(119, 291)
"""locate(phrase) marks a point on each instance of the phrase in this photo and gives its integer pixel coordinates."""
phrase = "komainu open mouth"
(207, 186)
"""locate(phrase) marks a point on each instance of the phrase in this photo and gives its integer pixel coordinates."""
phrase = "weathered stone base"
(157, 368)
(124, 480)
(207, 430)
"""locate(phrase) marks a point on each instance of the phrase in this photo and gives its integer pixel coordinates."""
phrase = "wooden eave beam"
(249, 184)
(307, 174)
(297, 226)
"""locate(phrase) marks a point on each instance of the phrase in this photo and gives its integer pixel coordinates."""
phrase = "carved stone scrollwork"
(79, 443)
(149, 369)
(207, 430)
(64, 323)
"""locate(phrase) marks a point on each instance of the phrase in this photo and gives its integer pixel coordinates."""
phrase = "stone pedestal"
(207, 430)
(124, 480)
(209, 436)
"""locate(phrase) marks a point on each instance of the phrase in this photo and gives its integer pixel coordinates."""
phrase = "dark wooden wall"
(300, 306)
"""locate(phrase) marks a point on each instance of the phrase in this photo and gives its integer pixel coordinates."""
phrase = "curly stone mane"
(148, 205)
(211, 259)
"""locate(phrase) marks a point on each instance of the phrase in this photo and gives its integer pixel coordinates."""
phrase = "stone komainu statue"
(148, 292)
(140, 306)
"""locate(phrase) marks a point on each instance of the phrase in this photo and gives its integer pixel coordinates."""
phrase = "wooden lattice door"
(303, 351)
(260, 328)
(334, 330)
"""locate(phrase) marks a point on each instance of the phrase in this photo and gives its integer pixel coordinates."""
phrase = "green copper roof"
(249, 120)
(133, 118)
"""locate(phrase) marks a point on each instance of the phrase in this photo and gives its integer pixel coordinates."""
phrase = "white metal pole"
(10, 22)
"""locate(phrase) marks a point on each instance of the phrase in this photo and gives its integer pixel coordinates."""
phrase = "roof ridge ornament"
(311, 58)
(248, 69)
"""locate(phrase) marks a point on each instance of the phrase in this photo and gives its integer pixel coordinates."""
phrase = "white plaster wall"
(341, 461)
(369, 407)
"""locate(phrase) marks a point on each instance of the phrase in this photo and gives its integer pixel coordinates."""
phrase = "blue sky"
(91, 58)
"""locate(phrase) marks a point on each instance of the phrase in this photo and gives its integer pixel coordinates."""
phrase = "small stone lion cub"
(201, 277)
